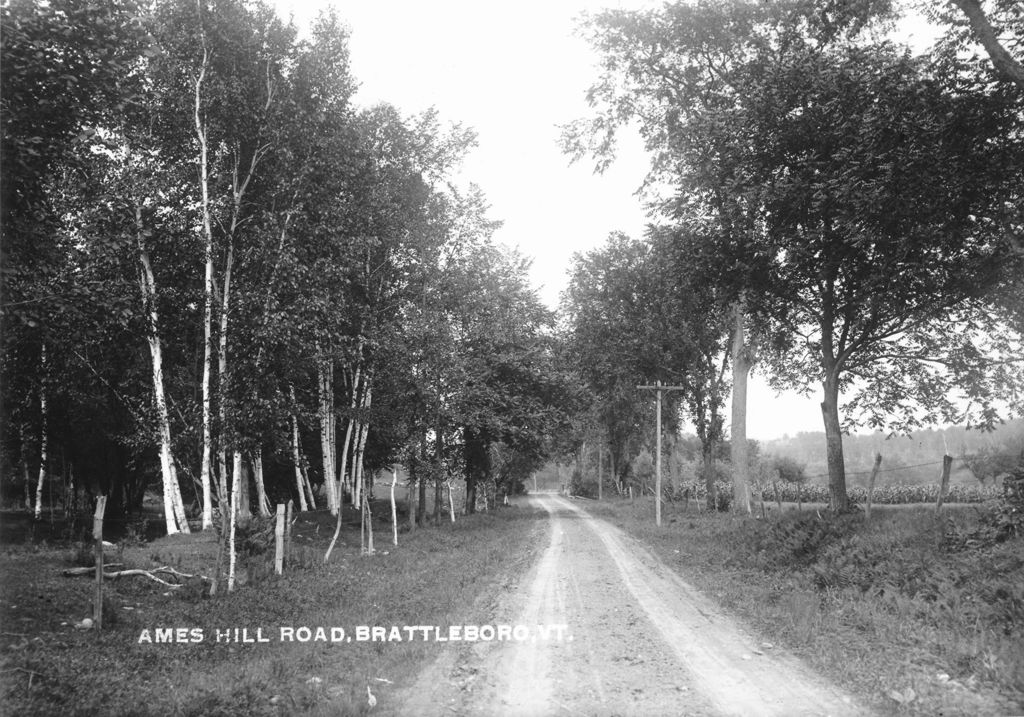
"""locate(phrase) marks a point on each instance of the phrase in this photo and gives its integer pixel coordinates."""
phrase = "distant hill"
(910, 459)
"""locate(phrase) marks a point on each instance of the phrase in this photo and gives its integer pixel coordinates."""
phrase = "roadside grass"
(440, 576)
(884, 608)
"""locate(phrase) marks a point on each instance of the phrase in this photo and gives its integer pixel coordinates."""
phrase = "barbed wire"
(882, 470)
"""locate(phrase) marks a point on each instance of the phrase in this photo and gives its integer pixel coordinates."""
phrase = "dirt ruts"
(638, 640)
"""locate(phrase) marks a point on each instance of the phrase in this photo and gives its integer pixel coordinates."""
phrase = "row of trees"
(222, 274)
(827, 204)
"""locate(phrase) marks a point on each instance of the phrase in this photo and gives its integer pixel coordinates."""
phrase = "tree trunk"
(741, 363)
(438, 467)
(233, 508)
(204, 187)
(261, 491)
(342, 480)
(438, 498)
(306, 484)
(394, 508)
(174, 516)
(297, 458)
(708, 461)
(838, 500)
(363, 432)
(1001, 58)
(470, 492)
(44, 438)
(411, 502)
(421, 503)
(222, 367)
(325, 391)
(240, 473)
(451, 499)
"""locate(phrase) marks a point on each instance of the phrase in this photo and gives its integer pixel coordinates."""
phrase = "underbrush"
(435, 576)
(903, 609)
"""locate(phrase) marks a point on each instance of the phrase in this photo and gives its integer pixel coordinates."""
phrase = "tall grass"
(880, 607)
(437, 576)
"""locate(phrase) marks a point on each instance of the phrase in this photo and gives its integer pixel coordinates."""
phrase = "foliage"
(343, 259)
(817, 160)
(1002, 522)
(885, 495)
(911, 610)
(789, 470)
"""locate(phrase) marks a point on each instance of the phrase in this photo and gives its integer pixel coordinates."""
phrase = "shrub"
(1002, 522)
(800, 539)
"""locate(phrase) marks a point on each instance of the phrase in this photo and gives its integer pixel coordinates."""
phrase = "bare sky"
(515, 71)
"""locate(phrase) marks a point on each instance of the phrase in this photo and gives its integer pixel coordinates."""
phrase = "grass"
(883, 608)
(436, 576)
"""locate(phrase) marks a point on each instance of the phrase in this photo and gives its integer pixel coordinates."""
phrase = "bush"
(1003, 522)
(799, 540)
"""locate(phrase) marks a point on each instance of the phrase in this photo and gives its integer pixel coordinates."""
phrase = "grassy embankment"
(888, 609)
(436, 576)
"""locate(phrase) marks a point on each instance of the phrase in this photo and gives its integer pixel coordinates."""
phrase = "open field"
(882, 609)
(437, 576)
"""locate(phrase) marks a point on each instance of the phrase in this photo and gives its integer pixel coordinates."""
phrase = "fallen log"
(133, 572)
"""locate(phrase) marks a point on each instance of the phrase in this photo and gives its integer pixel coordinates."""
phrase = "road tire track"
(641, 641)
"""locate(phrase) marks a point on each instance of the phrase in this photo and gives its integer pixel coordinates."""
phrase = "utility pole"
(658, 388)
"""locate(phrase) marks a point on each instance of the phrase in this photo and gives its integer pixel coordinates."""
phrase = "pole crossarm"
(657, 387)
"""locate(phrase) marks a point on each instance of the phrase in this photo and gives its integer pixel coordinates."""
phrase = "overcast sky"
(515, 71)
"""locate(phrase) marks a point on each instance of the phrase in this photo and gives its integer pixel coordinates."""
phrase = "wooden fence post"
(279, 540)
(871, 484)
(97, 534)
(394, 508)
(368, 522)
(947, 464)
(289, 518)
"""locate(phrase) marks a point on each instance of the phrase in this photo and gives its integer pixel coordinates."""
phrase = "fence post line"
(97, 534)
(289, 518)
(947, 464)
(279, 540)
(871, 484)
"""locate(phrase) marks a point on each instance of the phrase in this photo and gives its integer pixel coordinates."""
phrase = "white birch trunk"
(236, 475)
(325, 388)
(348, 437)
(309, 489)
(174, 516)
(25, 469)
(354, 468)
(204, 187)
(222, 362)
(368, 521)
(44, 438)
(364, 429)
(297, 460)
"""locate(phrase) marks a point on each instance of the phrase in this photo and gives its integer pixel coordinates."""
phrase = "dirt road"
(637, 641)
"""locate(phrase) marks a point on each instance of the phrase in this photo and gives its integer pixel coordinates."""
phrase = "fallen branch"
(151, 574)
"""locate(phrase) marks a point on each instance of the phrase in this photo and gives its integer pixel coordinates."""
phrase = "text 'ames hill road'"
(637, 640)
